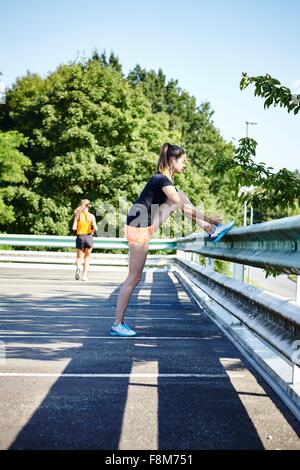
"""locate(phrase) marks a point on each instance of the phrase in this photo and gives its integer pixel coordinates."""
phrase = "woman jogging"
(85, 225)
(156, 202)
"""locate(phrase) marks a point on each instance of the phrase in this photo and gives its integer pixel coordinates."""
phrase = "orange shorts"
(138, 234)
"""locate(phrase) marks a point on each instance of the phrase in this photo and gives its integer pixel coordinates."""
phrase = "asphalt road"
(280, 285)
(180, 384)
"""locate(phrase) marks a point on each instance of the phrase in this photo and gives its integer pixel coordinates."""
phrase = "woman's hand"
(208, 228)
(214, 219)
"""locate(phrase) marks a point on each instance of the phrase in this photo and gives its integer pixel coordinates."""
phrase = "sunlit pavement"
(179, 384)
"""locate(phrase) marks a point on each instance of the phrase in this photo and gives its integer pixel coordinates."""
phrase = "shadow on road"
(88, 412)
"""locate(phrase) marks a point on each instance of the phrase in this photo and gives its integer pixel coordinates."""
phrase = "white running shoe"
(85, 278)
(77, 274)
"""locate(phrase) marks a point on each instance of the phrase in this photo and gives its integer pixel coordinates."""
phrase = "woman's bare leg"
(137, 258)
(87, 255)
(79, 259)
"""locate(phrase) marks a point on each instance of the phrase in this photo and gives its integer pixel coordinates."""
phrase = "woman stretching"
(85, 225)
(156, 202)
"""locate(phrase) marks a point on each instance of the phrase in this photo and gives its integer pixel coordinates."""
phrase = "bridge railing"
(269, 245)
(50, 241)
(59, 257)
(274, 244)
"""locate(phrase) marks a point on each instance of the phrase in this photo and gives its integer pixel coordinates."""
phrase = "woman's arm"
(74, 226)
(213, 219)
(194, 214)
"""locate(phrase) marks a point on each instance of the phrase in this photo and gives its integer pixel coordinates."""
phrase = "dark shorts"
(84, 241)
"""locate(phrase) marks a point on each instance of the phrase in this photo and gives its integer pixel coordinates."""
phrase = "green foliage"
(199, 137)
(89, 131)
(281, 189)
(273, 93)
(223, 267)
(86, 130)
(276, 194)
(12, 161)
(273, 272)
(13, 164)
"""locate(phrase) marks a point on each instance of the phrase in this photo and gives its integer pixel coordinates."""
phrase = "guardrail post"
(296, 374)
(184, 254)
(195, 258)
(210, 263)
(238, 272)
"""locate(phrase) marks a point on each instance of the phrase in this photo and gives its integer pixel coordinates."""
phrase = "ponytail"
(84, 204)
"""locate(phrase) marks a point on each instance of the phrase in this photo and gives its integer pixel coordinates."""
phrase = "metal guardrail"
(275, 319)
(264, 327)
(68, 258)
(69, 242)
(274, 244)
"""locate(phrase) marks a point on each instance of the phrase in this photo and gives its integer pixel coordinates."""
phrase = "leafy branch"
(272, 91)
(281, 189)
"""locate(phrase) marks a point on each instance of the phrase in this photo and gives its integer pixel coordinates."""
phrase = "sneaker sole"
(114, 333)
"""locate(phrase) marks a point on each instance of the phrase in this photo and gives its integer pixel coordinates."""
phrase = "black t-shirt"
(141, 213)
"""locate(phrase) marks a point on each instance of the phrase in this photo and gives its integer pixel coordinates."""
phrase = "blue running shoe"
(220, 231)
(122, 330)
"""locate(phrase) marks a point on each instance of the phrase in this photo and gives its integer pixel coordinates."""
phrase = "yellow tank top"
(84, 226)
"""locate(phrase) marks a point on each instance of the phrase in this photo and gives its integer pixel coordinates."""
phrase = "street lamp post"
(251, 123)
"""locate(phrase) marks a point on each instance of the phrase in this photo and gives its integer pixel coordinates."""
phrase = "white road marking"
(137, 305)
(140, 414)
(13, 316)
(113, 376)
(107, 337)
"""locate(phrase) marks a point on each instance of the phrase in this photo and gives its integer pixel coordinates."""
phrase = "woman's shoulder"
(161, 177)
(83, 215)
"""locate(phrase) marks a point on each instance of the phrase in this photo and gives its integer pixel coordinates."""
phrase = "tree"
(279, 190)
(87, 130)
(198, 136)
(92, 132)
(13, 164)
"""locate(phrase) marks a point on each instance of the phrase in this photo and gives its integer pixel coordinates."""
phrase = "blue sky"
(206, 45)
